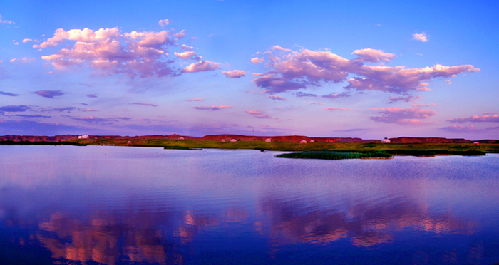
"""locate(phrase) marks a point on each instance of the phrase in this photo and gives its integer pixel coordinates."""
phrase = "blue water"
(130, 205)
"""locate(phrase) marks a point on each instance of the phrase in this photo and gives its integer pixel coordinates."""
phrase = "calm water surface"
(122, 205)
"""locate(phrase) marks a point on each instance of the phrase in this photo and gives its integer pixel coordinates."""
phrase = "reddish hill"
(427, 140)
(228, 137)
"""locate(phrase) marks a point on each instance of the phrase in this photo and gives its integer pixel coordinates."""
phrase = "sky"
(368, 69)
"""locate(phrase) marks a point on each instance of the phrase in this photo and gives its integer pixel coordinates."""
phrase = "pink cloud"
(402, 116)
(180, 34)
(315, 103)
(212, 107)
(81, 35)
(301, 69)
(185, 55)
(110, 51)
(420, 37)
(257, 60)
(337, 109)
(372, 55)
(234, 73)
(402, 80)
(279, 48)
(195, 99)
(258, 114)
(201, 66)
(424, 105)
(89, 110)
(277, 97)
(476, 118)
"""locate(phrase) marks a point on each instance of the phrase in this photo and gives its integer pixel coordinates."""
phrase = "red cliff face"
(228, 137)
(427, 140)
(34, 138)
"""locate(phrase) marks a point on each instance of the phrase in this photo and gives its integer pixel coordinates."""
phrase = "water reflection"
(366, 224)
(117, 207)
(106, 239)
(138, 236)
(191, 225)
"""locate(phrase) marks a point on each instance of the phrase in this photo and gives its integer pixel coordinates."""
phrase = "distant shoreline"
(299, 149)
(237, 137)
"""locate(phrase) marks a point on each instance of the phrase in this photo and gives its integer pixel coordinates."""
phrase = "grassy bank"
(333, 155)
(329, 155)
(393, 148)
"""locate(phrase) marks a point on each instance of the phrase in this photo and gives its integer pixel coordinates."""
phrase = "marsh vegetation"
(317, 150)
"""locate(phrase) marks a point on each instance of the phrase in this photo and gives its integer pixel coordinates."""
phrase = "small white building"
(386, 140)
(312, 141)
(181, 138)
(268, 140)
(303, 141)
(85, 136)
(233, 140)
(223, 140)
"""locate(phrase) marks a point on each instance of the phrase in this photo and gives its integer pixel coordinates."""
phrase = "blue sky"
(346, 68)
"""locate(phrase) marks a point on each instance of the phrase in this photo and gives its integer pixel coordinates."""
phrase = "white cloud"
(212, 107)
(164, 22)
(273, 97)
(2, 21)
(337, 109)
(258, 114)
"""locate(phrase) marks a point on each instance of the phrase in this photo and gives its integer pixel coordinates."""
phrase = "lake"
(133, 205)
